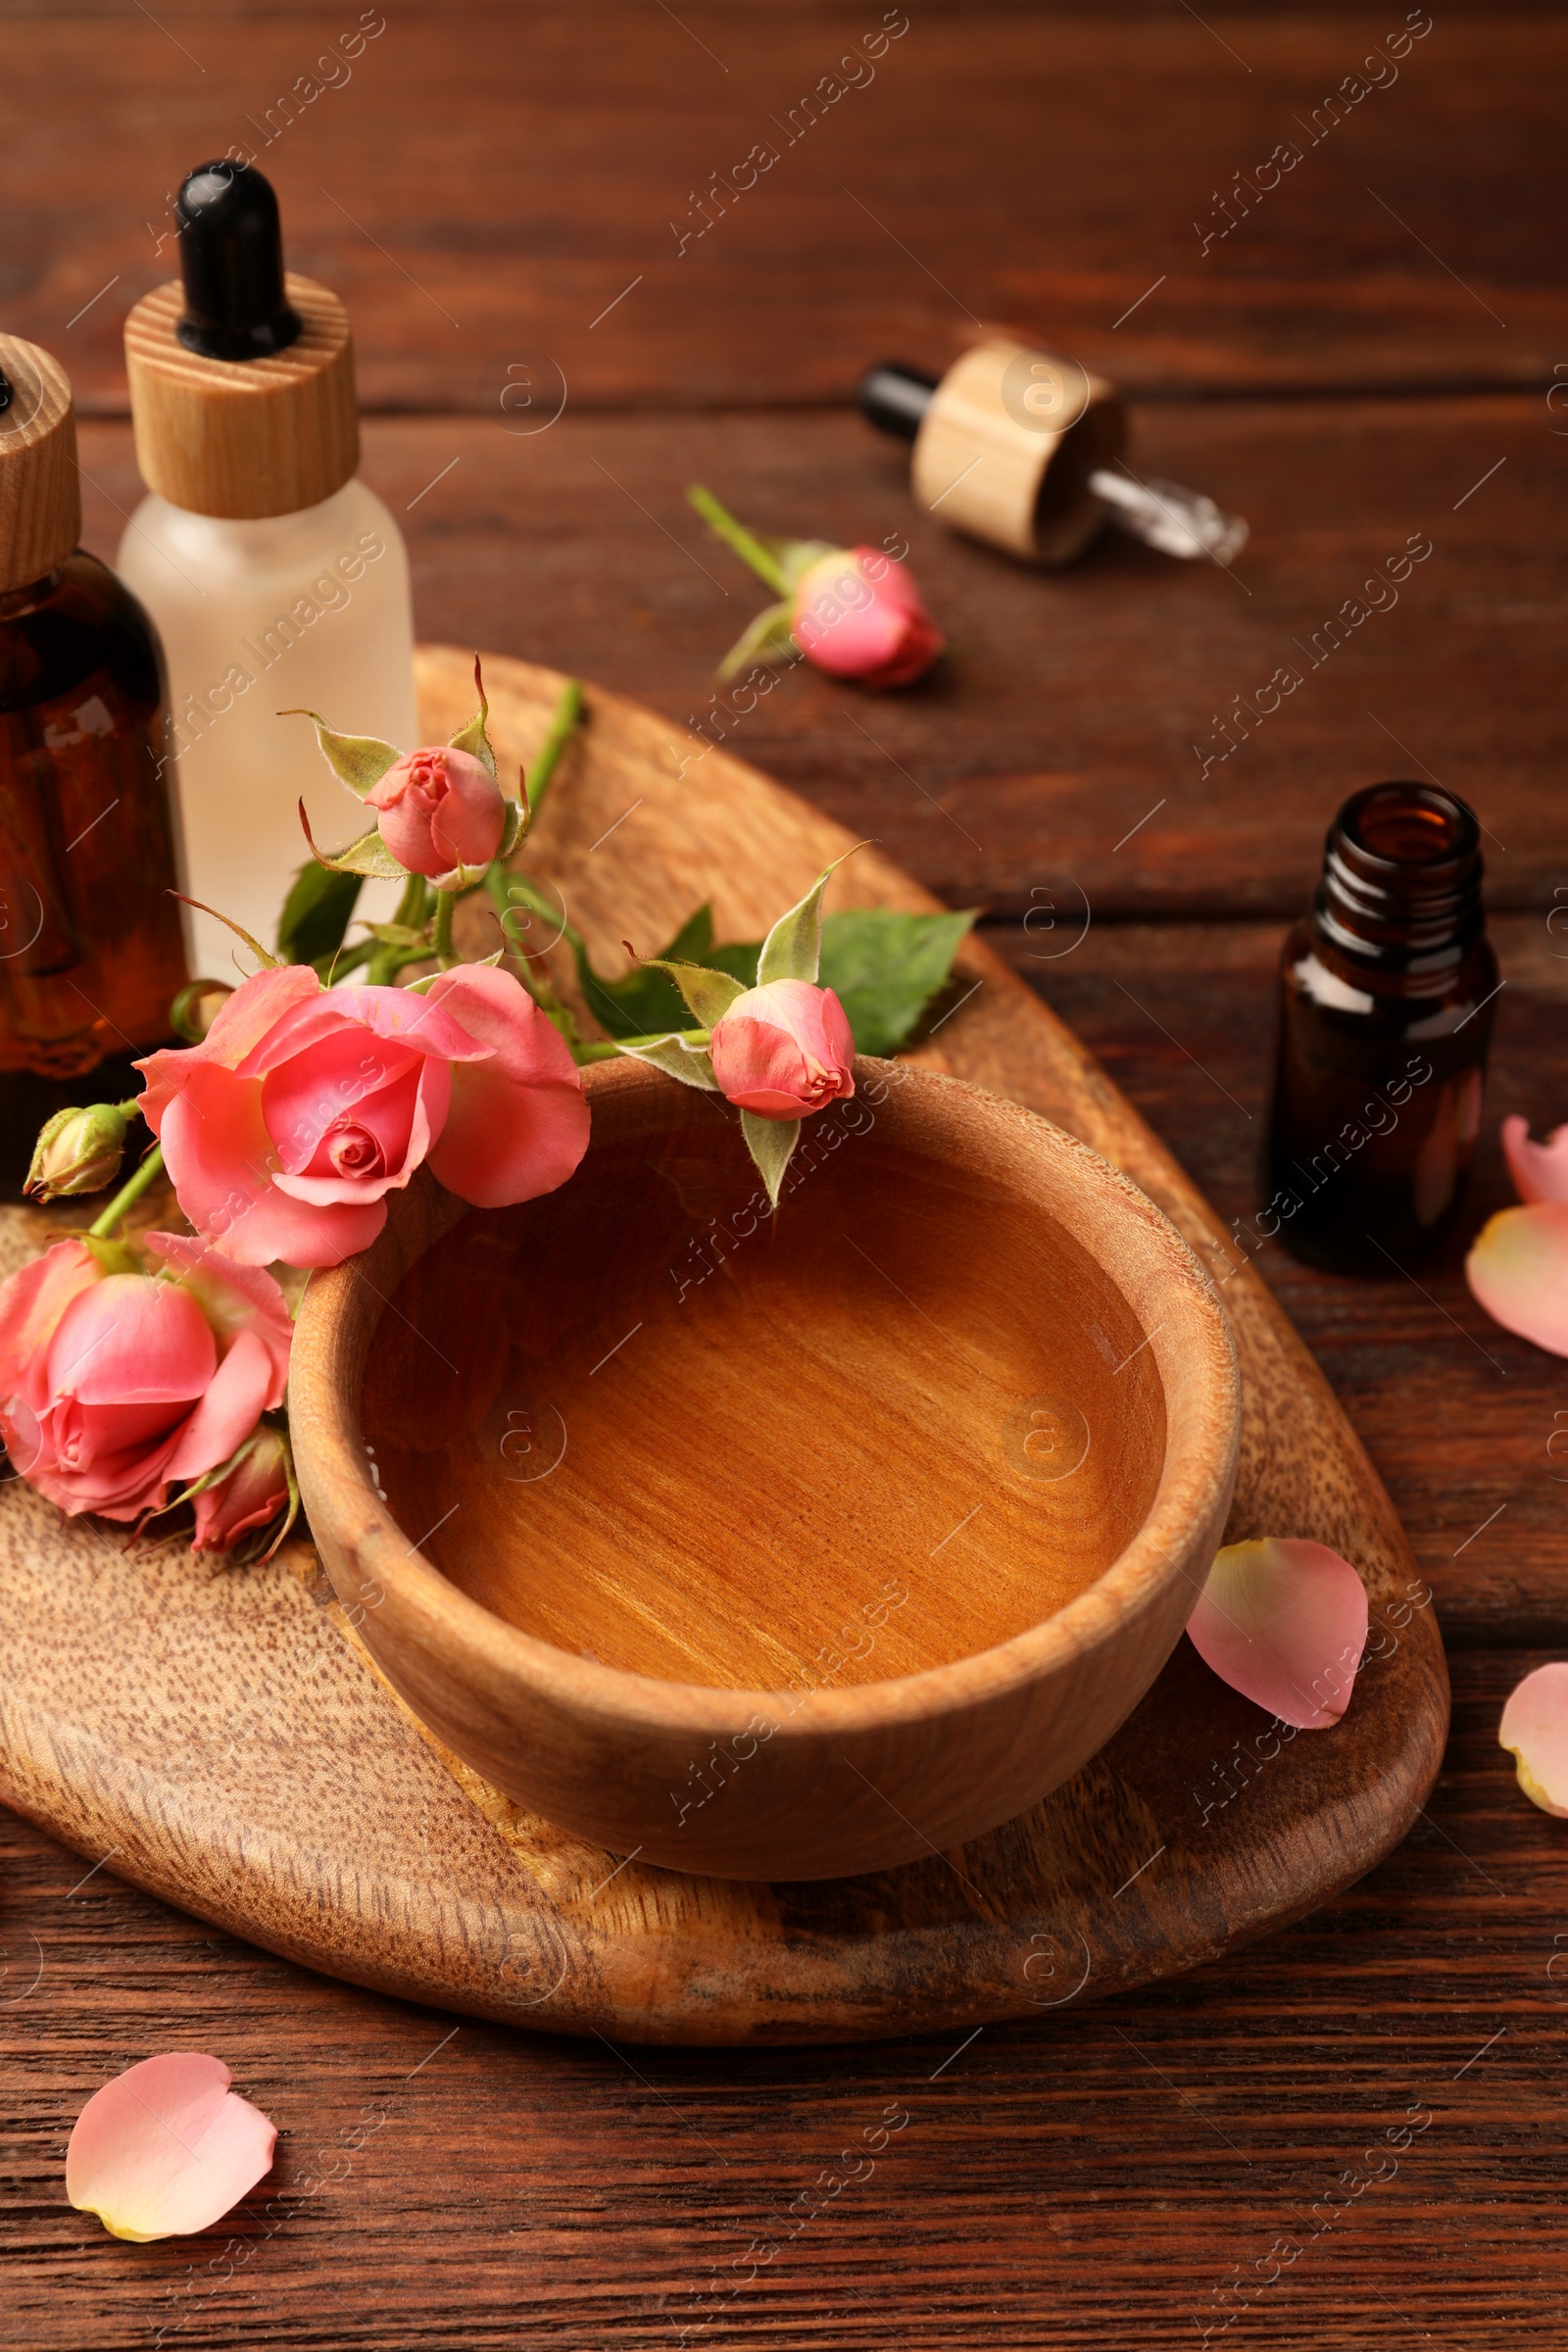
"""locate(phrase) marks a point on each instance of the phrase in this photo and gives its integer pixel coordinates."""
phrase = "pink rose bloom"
(112, 1386)
(254, 1493)
(784, 1050)
(303, 1107)
(439, 808)
(858, 615)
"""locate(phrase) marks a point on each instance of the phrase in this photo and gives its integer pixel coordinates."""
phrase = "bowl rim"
(479, 1645)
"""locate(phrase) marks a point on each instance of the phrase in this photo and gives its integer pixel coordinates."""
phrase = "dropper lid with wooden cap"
(241, 373)
(40, 488)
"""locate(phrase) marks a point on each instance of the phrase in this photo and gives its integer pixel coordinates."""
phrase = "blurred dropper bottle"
(276, 579)
(1023, 449)
(91, 948)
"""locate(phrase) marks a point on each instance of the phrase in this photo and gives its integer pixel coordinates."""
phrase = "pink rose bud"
(439, 808)
(858, 614)
(253, 1493)
(76, 1151)
(784, 1050)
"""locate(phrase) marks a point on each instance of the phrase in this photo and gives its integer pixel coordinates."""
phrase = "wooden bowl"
(775, 1549)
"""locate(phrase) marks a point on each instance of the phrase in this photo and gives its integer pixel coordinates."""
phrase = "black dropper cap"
(231, 259)
(6, 393)
(893, 397)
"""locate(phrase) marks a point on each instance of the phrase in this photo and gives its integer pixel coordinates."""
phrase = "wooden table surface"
(1369, 353)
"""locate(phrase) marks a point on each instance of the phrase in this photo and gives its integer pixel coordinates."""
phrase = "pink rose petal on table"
(1540, 1171)
(1534, 1729)
(167, 2148)
(1283, 1622)
(1517, 1269)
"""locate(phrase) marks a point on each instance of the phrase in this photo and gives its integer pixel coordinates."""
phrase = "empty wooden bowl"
(774, 1548)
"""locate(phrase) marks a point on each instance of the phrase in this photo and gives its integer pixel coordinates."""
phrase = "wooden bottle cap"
(40, 489)
(244, 438)
(1006, 446)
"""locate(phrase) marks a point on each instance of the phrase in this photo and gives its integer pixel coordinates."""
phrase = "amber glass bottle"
(91, 948)
(1386, 991)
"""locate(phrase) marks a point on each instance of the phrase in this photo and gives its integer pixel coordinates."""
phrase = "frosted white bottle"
(278, 581)
(291, 610)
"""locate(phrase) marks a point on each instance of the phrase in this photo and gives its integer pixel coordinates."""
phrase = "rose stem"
(130, 1193)
(735, 536)
(562, 726)
(387, 961)
(445, 904)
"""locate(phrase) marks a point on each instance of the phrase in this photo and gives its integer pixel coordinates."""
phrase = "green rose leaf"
(885, 968)
(770, 1143)
(644, 1003)
(356, 761)
(316, 913)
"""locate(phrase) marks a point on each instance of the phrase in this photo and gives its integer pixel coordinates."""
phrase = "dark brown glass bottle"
(91, 948)
(1386, 991)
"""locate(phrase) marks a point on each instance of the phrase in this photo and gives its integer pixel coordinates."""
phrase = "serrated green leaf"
(473, 738)
(770, 1143)
(766, 639)
(885, 968)
(680, 1056)
(792, 950)
(317, 912)
(356, 761)
(368, 856)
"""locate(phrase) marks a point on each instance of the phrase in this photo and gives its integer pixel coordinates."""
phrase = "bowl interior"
(909, 1419)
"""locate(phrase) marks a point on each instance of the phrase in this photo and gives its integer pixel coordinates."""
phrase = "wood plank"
(1458, 1415)
(1068, 708)
(1101, 2177)
(474, 199)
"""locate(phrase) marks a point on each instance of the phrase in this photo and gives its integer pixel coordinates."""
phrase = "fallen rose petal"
(1534, 1729)
(1540, 1171)
(1283, 1622)
(167, 2148)
(1518, 1270)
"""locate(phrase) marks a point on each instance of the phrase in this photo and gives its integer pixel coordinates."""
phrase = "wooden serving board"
(218, 1735)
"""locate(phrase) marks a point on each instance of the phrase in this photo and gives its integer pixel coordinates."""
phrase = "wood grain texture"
(1046, 169)
(1090, 2178)
(548, 1931)
(1051, 757)
(741, 1477)
(40, 489)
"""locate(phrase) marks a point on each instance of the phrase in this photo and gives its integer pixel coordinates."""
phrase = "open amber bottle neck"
(1400, 892)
